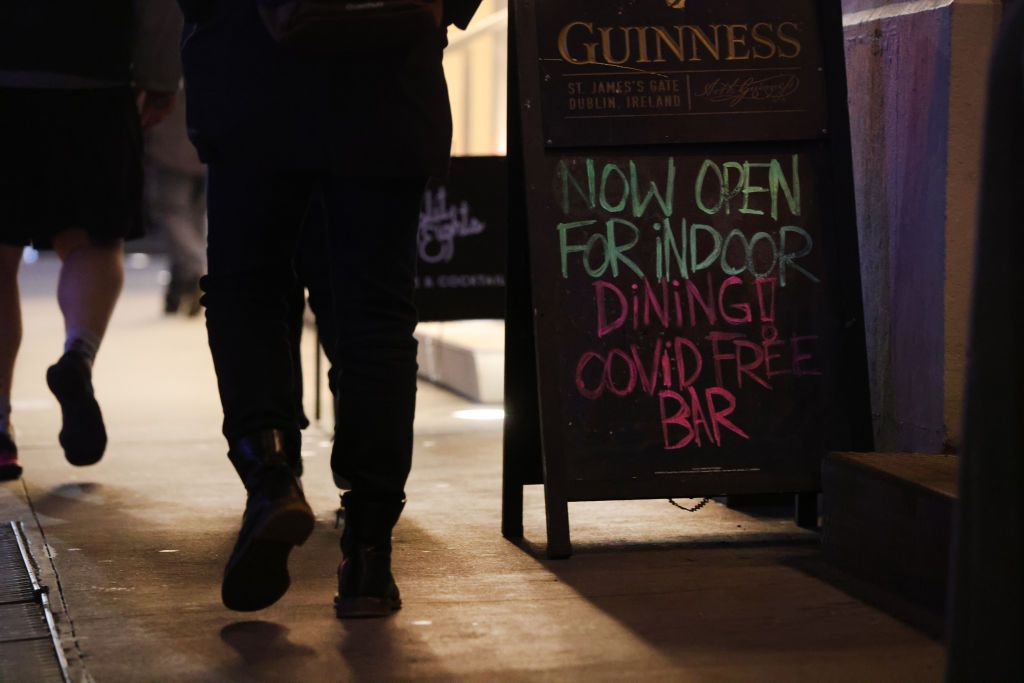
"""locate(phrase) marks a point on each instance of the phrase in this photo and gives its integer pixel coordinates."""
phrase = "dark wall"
(916, 76)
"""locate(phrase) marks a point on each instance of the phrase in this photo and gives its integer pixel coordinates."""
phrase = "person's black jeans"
(255, 218)
(313, 270)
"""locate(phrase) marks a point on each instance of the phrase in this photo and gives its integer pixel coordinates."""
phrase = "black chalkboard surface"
(694, 322)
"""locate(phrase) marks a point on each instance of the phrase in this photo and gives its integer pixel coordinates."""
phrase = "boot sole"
(257, 574)
(10, 472)
(365, 607)
(83, 435)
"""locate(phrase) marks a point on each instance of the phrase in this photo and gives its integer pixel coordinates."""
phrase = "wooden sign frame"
(532, 451)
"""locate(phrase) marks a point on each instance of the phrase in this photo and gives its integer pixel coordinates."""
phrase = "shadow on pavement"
(258, 642)
(747, 599)
(928, 622)
(160, 583)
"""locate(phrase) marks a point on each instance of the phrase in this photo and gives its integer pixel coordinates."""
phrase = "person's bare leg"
(10, 319)
(10, 340)
(91, 279)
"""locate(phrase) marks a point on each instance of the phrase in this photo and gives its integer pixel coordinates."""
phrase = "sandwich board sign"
(684, 304)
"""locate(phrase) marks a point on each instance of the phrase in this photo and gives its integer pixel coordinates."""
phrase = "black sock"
(5, 413)
(83, 346)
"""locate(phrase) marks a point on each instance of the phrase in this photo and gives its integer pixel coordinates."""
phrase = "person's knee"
(260, 286)
(67, 242)
(382, 352)
(76, 241)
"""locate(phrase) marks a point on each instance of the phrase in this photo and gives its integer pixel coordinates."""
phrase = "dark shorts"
(69, 159)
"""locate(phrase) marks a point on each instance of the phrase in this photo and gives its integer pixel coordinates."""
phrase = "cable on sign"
(695, 508)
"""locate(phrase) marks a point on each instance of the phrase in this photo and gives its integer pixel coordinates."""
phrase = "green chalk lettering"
(787, 258)
(712, 255)
(726, 267)
(777, 181)
(664, 196)
(563, 242)
(675, 251)
(749, 189)
(594, 240)
(616, 252)
(729, 189)
(698, 188)
(751, 264)
(605, 202)
(589, 195)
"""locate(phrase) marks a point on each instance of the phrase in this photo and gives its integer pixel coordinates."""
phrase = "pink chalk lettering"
(747, 369)
(766, 306)
(603, 325)
(799, 358)
(648, 379)
(720, 416)
(696, 365)
(706, 303)
(680, 418)
(610, 373)
(717, 356)
(743, 308)
(581, 384)
(687, 413)
(770, 339)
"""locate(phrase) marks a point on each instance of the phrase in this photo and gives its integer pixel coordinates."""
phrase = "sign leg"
(559, 545)
(522, 448)
(511, 501)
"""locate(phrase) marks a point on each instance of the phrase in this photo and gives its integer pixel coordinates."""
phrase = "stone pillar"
(917, 73)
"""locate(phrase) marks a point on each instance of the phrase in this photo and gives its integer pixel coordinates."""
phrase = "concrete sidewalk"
(138, 543)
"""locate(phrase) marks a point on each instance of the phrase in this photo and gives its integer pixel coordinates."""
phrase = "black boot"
(10, 468)
(172, 295)
(366, 587)
(82, 435)
(276, 519)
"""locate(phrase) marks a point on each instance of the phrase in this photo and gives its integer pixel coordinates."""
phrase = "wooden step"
(467, 356)
(888, 518)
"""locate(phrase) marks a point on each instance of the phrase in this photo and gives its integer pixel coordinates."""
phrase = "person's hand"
(154, 106)
(438, 8)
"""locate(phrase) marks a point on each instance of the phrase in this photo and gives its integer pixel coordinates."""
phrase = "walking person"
(77, 81)
(286, 97)
(175, 199)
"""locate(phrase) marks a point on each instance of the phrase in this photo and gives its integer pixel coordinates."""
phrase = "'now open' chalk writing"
(682, 247)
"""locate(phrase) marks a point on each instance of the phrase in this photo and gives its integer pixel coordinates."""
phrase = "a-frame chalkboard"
(684, 305)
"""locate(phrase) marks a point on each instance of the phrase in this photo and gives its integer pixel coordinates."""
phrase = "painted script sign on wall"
(461, 242)
(662, 71)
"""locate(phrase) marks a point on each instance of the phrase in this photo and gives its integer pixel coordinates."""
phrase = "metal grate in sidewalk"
(15, 582)
(29, 646)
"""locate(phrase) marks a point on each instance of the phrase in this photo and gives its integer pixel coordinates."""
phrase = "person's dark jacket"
(252, 101)
(457, 12)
